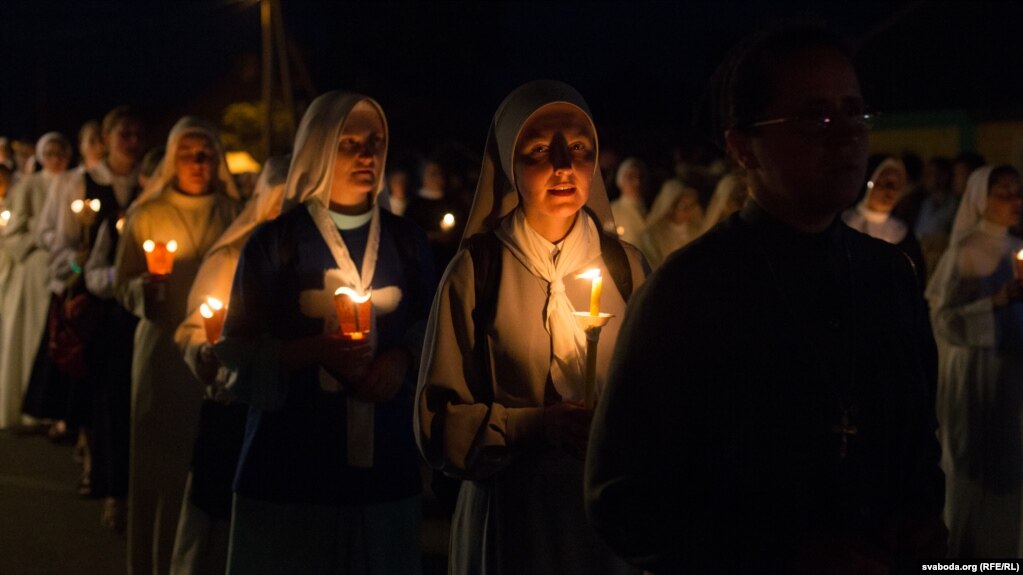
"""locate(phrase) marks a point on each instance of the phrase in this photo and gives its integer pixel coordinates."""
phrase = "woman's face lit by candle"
(194, 164)
(360, 156)
(1004, 202)
(885, 190)
(554, 162)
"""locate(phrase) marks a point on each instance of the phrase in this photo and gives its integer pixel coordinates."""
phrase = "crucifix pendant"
(846, 428)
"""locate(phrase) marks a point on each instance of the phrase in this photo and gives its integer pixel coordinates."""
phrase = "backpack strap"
(485, 251)
(615, 259)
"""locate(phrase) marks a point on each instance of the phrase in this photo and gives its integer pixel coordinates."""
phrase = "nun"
(676, 219)
(500, 401)
(976, 301)
(204, 526)
(188, 205)
(25, 299)
(873, 214)
(324, 330)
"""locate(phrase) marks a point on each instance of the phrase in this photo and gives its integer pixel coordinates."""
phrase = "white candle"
(596, 288)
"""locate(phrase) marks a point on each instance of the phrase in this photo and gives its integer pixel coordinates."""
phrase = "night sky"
(440, 69)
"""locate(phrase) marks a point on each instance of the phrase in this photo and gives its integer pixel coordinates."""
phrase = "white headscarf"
(972, 205)
(968, 218)
(311, 175)
(51, 137)
(497, 196)
(663, 236)
(728, 187)
(165, 174)
(880, 225)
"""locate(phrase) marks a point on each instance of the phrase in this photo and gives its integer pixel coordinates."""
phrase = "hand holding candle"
(213, 313)
(160, 256)
(591, 323)
(353, 312)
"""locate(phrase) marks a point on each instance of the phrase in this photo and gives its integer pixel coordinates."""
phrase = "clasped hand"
(566, 425)
(367, 378)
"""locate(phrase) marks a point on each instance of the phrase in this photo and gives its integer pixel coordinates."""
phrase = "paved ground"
(46, 528)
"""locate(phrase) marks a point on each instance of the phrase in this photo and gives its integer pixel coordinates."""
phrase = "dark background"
(440, 68)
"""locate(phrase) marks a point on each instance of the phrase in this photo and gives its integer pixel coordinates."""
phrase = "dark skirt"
(49, 391)
(215, 457)
(110, 352)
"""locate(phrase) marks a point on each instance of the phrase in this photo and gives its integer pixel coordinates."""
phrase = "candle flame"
(5, 216)
(448, 220)
(119, 225)
(149, 246)
(352, 295)
(77, 206)
(1019, 255)
(589, 274)
(172, 246)
(205, 311)
(214, 303)
(620, 230)
(94, 205)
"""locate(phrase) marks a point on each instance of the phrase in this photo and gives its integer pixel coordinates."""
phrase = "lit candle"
(77, 206)
(95, 205)
(1018, 268)
(5, 216)
(353, 311)
(595, 289)
(119, 225)
(213, 313)
(447, 222)
(160, 256)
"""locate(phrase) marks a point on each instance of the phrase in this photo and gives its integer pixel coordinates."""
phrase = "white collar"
(349, 222)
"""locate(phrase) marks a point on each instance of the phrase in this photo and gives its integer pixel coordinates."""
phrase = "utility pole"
(264, 19)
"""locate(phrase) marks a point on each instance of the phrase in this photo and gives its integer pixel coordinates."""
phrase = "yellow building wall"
(999, 142)
(926, 142)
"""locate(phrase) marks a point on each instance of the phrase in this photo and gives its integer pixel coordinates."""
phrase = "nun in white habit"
(977, 308)
(676, 219)
(25, 299)
(191, 200)
(873, 214)
(201, 543)
(516, 431)
(329, 477)
(629, 210)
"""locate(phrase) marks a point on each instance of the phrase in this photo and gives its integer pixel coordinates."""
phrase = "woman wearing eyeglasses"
(190, 201)
(976, 299)
(873, 214)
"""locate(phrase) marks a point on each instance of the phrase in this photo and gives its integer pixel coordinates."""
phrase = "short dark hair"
(743, 86)
(1000, 171)
(971, 160)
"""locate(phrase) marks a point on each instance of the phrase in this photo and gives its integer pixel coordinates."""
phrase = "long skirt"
(281, 538)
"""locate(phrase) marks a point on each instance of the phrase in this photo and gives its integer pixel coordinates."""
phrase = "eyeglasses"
(824, 122)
